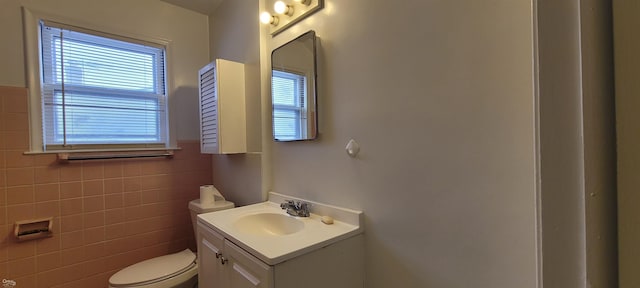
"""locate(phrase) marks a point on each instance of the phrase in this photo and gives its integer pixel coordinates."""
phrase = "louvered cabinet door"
(222, 108)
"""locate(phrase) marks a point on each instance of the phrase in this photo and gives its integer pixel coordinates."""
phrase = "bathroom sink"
(266, 231)
(268, 224)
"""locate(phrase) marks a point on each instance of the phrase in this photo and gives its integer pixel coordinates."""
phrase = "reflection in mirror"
(293, 89)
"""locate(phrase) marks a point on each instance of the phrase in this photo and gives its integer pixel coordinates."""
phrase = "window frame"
(299, 78)
(33, 55)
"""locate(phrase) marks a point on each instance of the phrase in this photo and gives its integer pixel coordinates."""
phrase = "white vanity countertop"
(273, 249)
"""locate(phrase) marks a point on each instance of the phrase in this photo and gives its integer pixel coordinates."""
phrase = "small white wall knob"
(353, 148)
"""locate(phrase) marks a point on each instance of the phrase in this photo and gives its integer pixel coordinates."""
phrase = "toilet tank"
(197, 208)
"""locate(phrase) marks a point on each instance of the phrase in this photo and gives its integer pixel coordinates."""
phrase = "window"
(289, 105)
(101, 90)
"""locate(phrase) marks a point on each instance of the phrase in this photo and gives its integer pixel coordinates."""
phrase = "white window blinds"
(289, 105)
(101, 91)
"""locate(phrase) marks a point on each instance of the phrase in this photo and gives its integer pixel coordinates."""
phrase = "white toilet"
(179, 270)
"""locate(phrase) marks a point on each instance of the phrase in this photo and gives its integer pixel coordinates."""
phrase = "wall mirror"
(293, 89)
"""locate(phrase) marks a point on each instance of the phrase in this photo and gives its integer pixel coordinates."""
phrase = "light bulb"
(267, 18)
(282, 8)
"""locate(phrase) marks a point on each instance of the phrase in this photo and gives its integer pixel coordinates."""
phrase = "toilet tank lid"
(195, 206)
(154, 269)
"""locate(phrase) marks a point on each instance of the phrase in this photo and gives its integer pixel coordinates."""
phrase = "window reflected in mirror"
(293, 89)
(290, 120)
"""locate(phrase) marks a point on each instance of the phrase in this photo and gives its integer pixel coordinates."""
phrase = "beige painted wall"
(439, 94)
(235, 36)
(187, 32)
(627, 69)
(375, 77)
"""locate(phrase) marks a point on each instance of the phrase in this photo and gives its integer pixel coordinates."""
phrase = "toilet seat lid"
(154, 269)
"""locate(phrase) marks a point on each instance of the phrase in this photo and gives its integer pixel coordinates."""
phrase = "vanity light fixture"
(267, 18)
(282, 8)
(295, 10)
(304, 2)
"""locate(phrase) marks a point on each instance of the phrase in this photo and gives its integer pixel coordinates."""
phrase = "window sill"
(108, 154)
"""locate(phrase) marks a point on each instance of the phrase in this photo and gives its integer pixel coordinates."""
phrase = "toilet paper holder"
(33, 229)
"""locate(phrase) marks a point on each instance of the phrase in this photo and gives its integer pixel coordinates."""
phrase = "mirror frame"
(314, 88)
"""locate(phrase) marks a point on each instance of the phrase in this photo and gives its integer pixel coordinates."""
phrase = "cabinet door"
(210, 273)
(246, 271)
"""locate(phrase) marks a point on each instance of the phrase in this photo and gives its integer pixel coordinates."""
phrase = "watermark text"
(6, 283)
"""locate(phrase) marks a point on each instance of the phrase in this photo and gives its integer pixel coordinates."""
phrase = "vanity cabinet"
(224, 264)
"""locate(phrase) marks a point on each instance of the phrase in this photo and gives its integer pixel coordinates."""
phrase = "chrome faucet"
(296, 208)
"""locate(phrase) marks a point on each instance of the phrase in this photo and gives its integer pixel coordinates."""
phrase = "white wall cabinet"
(223, 264)
(223, 124)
